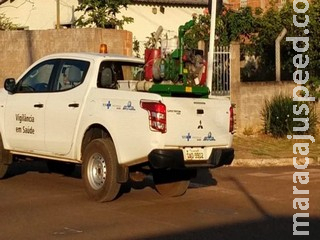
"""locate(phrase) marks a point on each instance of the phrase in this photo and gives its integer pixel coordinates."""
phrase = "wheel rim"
(97, 171)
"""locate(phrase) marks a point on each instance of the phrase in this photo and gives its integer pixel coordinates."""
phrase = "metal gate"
(221, 71)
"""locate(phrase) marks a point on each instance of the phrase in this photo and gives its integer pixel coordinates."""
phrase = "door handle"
(200, 111)
(39, 105)
(75, 105)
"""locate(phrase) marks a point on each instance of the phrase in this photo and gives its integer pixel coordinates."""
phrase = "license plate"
(193, 154)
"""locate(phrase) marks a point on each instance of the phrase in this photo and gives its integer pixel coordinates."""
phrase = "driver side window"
(37, 79)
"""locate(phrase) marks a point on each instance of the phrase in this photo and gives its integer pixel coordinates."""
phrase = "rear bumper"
(173, 158)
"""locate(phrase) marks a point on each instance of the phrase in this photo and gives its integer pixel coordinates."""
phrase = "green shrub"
(278, 117)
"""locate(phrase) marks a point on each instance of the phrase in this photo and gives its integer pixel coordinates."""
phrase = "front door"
(24, 125)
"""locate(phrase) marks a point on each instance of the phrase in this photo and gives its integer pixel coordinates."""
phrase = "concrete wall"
(249, 97)
(19, 49)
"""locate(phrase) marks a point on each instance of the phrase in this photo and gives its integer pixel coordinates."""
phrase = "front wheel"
(3, 170)
(5, 160)
(99, 170)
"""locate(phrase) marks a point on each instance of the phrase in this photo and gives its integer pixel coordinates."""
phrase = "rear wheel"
(171, 183)
(100, 169)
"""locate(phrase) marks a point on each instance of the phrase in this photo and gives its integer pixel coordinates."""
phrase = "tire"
(3, 170)
(171, 183)
(100, 170)
(5, 160)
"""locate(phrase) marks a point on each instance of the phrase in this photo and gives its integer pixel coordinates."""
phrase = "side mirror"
(10, 85)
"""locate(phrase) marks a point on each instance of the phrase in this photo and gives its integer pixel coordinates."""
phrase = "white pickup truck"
(86, 108)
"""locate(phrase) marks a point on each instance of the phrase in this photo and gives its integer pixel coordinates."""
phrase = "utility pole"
(213, 10)
(58, 14)
(278, 59)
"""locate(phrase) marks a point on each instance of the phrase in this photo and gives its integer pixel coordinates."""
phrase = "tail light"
(157, 115)
(231, 120)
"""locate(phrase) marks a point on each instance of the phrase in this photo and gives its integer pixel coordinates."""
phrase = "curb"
(276, 162)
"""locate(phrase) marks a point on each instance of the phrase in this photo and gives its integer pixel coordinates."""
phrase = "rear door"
(197, 122)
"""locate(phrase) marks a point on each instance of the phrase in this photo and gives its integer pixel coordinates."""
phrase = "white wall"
(145, 22)
(41, 15)
(38, 14)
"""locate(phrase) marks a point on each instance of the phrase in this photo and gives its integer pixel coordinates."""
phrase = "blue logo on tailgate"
(188, 137)
(209, 137)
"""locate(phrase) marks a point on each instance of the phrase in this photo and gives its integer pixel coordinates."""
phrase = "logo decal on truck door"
(128, 106)
(108, 105)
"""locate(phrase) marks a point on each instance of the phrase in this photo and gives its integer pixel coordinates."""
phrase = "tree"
(6, 24)
(231, 25)
(257, 31)
(199, 31)
(314, 40)
(102, 13)
(268, 27)
(234, 25)
(261, 30)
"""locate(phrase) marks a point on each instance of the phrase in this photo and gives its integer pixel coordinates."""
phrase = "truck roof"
(97, 56)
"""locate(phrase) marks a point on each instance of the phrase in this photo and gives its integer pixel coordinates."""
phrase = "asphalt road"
(232, 203)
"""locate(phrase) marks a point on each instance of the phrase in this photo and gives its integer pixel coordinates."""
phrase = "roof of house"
(187, 3)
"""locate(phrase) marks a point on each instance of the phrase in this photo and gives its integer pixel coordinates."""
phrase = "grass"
(267, 147)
